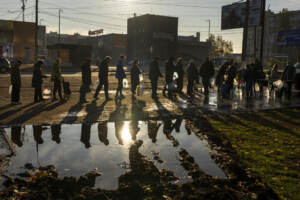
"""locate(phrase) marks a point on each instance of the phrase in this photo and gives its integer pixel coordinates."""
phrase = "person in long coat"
(15, 77)
(154, 74)
(37, 81)
(135, 77)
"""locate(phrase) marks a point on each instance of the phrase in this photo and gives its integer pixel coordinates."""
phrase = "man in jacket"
(192, 76)
(288, 78)
(15, 77)
(180, 72)
(135, 73)
(57, 79)
(86, 80)
(207, 72)
(154, 74)
(37, 81)
(170, 68)
(120, 75)
(103, 78)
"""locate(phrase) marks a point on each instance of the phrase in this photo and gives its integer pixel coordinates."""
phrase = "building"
(151, 36)
(17, 40)
(272, 51)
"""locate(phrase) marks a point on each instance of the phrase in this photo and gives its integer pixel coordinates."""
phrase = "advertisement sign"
(97, 32)
(289, 38)
(233, 16)
(255, 13)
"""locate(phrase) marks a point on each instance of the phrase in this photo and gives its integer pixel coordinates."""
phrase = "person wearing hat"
(103, 78)
(15, 77)
(37, 81)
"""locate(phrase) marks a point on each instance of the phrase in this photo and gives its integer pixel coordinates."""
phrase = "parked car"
(4, 65)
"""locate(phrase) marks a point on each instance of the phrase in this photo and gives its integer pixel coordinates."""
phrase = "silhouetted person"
(170, 68)
(134, 129)
(37, 134)
(135, 77)
(15, 78)
(86, 80)
(103, 78)
(249, 79)
(57, 78)
(180, 71)
(259, 75)
(192, 76)
(86, 135)
(153, 128)
(274, 76)
(37, 81)
(220, 75)
(207, 72)
(56, 131)
(16, 135)
(154, 74)
(120, 75)
(118, 131)
(288, 78)
(232, 72)
(102, 132)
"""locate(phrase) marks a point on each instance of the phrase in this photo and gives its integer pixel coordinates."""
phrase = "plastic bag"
(141, 77)
(47, 93)
(125, 83)
(256, 87)
(175, 76)
(10, 90)
(278, 84)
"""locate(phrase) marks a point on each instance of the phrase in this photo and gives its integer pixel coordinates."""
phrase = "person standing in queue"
(120, 75)
(207, 72)
(37, 81)
(86, 80)
(135, 77)
(15, 78)
(192, 75)
(57, 79)
(288, 78)
(154, 74)
(180, 71)
(170, 68)
(103, 78)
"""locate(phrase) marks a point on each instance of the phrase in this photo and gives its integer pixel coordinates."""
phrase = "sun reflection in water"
(125, 134)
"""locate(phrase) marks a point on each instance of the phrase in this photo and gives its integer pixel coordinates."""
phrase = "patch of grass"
(268, 143)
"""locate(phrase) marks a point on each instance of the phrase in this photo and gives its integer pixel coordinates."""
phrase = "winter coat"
(192, 72)
(135, 75)
(56, 72)
(103, 70)
(207, 70)
(220, 75)
(154, 71)
(170, 68)
(179, 70)
(37, 78)
(86, 74)
(15, 76)
(289, 74)
(120, 73)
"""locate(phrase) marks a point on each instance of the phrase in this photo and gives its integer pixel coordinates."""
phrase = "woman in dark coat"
(135, 77)
(37, 81)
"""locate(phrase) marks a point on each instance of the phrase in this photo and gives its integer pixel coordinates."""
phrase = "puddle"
(79, 148)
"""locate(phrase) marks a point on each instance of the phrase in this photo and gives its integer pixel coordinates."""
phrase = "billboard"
(233, 16)
(97, 32)
(289, 38)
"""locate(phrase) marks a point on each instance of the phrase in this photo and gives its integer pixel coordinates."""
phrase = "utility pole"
(36, 28)
(23, 9)
(245, 32)
(263, 13)
(208, 28)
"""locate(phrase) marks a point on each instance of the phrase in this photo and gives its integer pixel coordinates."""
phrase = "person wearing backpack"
(103, 78)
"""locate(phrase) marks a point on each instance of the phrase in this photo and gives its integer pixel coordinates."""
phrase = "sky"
(80, 16)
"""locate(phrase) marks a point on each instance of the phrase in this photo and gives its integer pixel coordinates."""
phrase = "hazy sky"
(111, 15)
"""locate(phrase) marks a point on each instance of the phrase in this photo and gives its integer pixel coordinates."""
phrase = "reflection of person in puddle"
(86, 135)
(118, 131)
(56, 131)
(177, 125)
(37, 134)
(16, 135)
(153, 128)
(188, 128)
(134, 129)
(102, 133)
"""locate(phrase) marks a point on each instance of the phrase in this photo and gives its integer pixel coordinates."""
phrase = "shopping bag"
(278, 84)
(46, 93)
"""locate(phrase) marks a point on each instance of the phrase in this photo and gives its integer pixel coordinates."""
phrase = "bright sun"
(126, 136)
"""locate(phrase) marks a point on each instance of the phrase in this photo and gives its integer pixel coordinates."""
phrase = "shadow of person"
(94, 112)
(120, 111)
(167, 130)
(56, 131)
(153, 128)
(134, 129)
(119, 125)
(102, 133)
(86, 135)
(37, 134)
(177, 125)
(16, 135)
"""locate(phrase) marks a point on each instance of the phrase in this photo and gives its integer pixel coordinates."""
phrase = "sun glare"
(126, 136)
